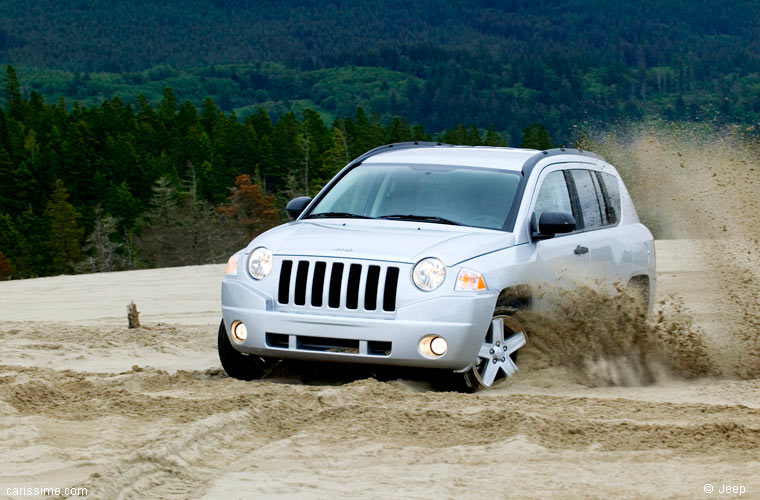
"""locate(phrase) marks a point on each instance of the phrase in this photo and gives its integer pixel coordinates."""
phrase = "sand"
(148, 413)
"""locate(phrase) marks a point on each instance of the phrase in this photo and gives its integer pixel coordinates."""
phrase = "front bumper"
(462, 318)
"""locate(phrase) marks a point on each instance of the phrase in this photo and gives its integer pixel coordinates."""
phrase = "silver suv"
(420, 254)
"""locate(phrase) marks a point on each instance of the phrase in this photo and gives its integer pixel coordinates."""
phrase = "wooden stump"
(133, 318)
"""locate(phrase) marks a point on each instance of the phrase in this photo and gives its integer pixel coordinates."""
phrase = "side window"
(588, 199)
(552, 195)
(611, 190)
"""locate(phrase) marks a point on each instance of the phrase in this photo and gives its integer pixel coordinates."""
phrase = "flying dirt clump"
(608, 339)
(700, 183)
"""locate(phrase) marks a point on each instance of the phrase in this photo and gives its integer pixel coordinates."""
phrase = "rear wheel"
(497, 356)
(237, 364)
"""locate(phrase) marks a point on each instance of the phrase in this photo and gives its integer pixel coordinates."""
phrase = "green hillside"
(438, 63)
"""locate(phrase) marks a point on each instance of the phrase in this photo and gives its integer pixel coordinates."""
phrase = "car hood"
(397, 241)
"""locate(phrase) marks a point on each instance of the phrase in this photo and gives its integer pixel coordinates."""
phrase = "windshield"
(468, 196)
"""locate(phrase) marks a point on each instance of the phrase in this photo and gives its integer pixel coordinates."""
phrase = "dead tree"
(133, 318)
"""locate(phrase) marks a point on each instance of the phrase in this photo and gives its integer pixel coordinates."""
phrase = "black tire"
(235, 363)
(467, 383)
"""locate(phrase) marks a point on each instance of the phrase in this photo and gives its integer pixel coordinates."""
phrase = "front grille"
(338, 285)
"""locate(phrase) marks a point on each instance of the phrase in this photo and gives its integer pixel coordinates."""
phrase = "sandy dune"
(148, 413)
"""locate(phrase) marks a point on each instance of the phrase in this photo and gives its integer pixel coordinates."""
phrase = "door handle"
(579, 250)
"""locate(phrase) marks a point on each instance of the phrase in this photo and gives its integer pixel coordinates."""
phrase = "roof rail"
(531, 162)
(398, 145)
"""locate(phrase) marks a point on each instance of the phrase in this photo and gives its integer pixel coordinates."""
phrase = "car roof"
(474, 156)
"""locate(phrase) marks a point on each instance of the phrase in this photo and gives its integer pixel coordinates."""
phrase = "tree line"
(121, 186)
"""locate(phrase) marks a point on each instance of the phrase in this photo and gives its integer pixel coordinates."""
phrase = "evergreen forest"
(122, 186)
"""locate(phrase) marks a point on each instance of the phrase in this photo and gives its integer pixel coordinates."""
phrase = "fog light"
(239, 332)
(433, 346)
(438, 346)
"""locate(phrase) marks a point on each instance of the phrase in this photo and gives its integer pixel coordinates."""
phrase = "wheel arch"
(518, 296)
(641, 284)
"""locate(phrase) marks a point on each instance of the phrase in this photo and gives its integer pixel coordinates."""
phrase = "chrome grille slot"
(338, 285)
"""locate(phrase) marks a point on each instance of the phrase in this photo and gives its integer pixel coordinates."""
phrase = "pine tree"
(332, 160)
(536, 137)
(5, 267)
(456, 136)
(156, 243)
(103, 251)
(203, 228)
(12, 87)
(399, 131)
(65, 235)
(316, 139)
(23, 249)
(419, 134)
(162, 203)
(180, 228)
(493, 138)
(122, 204)
(361, 134)
(473, 136)
(290, 151)
(167, 109)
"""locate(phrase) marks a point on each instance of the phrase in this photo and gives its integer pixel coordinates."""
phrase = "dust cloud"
(689, 184)
(609, 339)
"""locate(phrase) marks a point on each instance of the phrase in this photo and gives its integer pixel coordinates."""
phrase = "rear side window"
(590, 203)
(611, 190)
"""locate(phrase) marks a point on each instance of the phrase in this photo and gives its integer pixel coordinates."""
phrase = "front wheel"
(498, 353)
(235, 363)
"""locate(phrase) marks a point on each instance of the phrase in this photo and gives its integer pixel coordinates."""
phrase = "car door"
(599, 228)
(561, 262)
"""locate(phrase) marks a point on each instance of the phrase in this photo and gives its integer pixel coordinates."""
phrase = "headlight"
(260, 263)
(470, 281)
(429, 274)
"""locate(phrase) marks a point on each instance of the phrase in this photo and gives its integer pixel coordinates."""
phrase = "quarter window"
(588, 199)
(611, 190)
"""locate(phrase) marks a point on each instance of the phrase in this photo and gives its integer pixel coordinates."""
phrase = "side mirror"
(553, 222)
(296, 206)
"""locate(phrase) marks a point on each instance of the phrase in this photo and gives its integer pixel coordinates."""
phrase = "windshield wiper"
(336, 215)
(421, 218)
